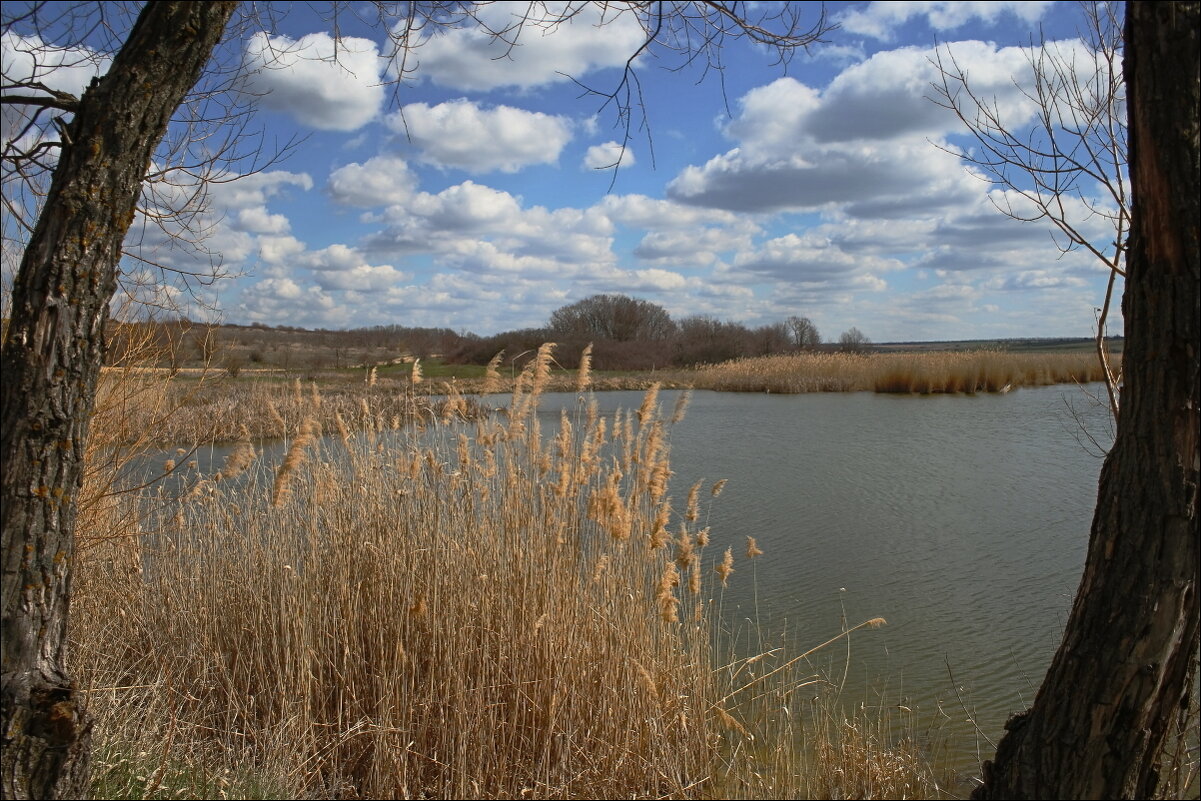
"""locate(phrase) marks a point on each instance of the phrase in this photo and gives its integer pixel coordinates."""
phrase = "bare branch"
(1075, 146)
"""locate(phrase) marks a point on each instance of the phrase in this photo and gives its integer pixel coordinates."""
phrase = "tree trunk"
(51, 363)
(1123, 672)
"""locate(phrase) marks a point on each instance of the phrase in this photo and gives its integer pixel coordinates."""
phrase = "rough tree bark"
(1124, 669)
(51, 363)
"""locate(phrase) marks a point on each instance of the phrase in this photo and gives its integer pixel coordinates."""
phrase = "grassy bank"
(475, 611)
(219, 407)
(916, 373)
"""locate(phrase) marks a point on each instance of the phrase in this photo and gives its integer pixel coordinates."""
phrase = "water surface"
(962, 520)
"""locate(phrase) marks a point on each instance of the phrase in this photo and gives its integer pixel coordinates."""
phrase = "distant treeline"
(626, 334)
(632, 334)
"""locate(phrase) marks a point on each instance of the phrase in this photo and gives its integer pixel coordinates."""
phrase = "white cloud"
(464, 208)
(655, 279)
(254, 190)
(257, 220)
(692, 246)
(813, 260)
(322, 84)
(462, 134)
(888, 95)
(605, 156)
(285, 300)
(879, 19)
(640, 211)
(379, 181)
(817, 177)
(279, 250)
(471, 211)
(64, 69)
(339, 267)
(468, 58)
(1041, 279)
(862, 144)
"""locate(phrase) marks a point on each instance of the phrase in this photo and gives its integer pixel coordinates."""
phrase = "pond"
(961, 520)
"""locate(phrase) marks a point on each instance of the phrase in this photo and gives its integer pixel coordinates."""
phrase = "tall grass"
(919, 373)
(470, 611)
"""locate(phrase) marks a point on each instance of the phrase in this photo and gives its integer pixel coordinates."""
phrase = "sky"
(479, 194)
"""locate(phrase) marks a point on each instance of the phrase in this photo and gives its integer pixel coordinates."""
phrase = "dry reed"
(917, 373)
(469, 611)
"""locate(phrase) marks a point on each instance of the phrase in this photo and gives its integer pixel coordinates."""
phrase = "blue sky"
(469, 197)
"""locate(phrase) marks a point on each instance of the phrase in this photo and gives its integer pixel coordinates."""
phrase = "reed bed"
(472, 610)
(913, 373)
(216, 408)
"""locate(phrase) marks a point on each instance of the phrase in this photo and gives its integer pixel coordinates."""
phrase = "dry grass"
(919, 373)
(216, 408)
(470, 611)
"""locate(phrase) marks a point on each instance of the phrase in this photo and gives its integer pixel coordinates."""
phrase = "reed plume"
(584, 376)
(492, 379)
(241, 457)
(726, 567)
(292, 461)
(647, 409)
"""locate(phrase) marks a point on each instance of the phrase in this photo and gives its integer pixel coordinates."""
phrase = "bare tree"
(853, 341)
(771, 338)
(804, 332)
(78, 166)
(1069, 166)
(619, 318)
(51, 363)
(1119, 684)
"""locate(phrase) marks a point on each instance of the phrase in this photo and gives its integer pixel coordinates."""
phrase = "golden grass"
(217, 408)
(916, 373)
(469, 611)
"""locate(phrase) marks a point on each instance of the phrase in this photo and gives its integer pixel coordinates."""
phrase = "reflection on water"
(961, 520)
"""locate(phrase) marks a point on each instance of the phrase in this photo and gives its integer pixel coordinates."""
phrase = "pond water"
(962, 520)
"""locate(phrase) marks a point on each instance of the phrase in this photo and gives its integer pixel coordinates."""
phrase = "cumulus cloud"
(880, 19)
(279, 250)
(379, 181)
(257, 220)
(888, 95)
(862, 144)
(467, 58)
(474, 213)
(640, 211)
(463, 208)
(286, 300)
(255, 189)
(910, 175)
(607, 155)
(1040, 279)
(63, 69)
(693, 246)
(467, 136)
(810, 259)
(322, 84)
